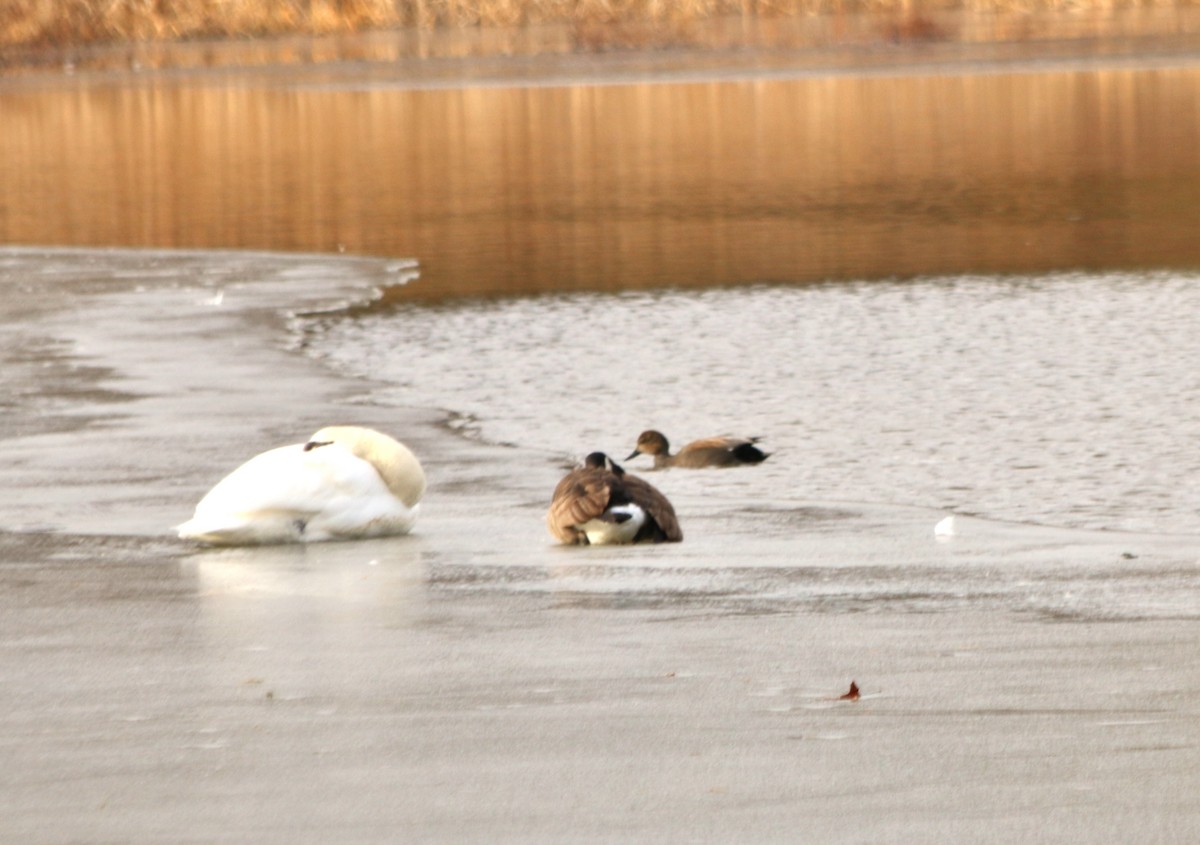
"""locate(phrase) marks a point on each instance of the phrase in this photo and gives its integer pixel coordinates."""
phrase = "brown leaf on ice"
(852, 695)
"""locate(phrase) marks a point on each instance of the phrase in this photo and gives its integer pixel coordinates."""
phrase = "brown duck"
(709, 452)
(600, 503)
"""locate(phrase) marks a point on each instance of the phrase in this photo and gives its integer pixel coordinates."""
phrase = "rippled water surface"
(641, 182)
(1065, 400)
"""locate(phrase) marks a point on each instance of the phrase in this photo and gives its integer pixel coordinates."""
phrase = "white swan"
(346, 482)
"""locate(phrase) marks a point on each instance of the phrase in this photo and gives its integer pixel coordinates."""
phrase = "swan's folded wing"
(288, 494)
(289, 478)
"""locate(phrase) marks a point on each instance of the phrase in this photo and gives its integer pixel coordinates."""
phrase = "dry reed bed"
(56, 23)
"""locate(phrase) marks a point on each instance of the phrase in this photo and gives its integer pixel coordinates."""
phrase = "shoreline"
(816, 42)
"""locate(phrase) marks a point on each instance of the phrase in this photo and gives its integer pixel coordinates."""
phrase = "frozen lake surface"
(473, 681)
(1049, 414)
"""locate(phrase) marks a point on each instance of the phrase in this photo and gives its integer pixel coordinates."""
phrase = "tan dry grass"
(51, 23)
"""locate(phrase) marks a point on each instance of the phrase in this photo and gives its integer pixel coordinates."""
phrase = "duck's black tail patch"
(748, 453)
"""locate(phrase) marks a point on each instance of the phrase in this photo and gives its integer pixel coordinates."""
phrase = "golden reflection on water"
(617, 186)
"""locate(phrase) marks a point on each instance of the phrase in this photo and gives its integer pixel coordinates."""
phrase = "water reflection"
(307, 622)
(347, 573)
(616, 186)
(310, 592)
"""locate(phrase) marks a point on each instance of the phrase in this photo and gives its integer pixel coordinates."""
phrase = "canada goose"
(709, 452)
(345, 482)
(601, 503)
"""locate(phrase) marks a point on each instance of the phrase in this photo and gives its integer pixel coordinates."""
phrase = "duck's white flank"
(344, 483)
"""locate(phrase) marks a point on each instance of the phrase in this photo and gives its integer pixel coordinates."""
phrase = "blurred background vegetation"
(58, 23)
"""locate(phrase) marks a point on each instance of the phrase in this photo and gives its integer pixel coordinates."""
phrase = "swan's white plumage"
(347, 482)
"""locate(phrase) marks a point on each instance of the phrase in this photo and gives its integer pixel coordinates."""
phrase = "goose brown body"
(724, 451)
(602, 492)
